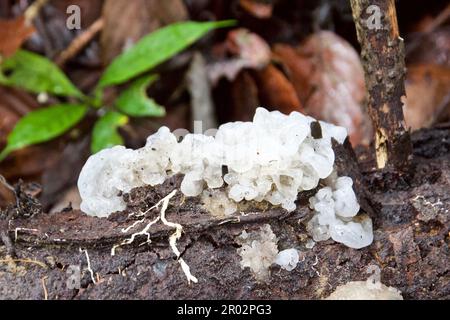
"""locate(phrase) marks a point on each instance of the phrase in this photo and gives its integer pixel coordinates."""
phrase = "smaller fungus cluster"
(335, 208)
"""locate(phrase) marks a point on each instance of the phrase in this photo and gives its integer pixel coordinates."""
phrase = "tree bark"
(383, 56)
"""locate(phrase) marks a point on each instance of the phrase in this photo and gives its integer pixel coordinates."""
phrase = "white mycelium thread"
(270, 159)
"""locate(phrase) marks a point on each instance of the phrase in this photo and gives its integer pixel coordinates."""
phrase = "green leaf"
(105, 133)
(135, 102)
(97, 98)
(3, 79)
(42, 125)
(156, 48)
(37, 74)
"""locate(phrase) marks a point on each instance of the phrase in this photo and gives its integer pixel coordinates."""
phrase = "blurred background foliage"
(111, 82)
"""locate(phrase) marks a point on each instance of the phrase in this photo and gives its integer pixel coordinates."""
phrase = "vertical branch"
(33, 10)
(383, 56)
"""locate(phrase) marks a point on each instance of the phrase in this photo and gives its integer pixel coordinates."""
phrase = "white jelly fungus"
(271, 159)
(287, 259)
(258, 250)
(335, 209)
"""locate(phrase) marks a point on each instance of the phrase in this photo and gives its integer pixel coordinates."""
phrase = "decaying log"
(383, 57)
(411, 245)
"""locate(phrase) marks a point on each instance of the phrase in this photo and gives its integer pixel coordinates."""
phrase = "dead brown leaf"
(249, 51)
(276, 91)
(427, 94)
(428, 78)
(29, 163)
(13, 34)
(14, 104)
(244, 93)
(7, 122)
(298, 69)
(249, 46)
(329, 79)
(127, 21)
(259, 8)
(6, 196)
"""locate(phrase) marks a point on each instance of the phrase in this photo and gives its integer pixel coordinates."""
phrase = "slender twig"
(41, 264)
(383, 57)
(441, 18)
(80, 42)
(33, 10)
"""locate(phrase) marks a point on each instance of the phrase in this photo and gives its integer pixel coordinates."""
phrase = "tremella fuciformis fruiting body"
(272, 159)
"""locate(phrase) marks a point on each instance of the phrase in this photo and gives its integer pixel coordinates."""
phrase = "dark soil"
(411, 247)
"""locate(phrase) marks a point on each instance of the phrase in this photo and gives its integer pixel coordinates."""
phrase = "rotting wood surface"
(411, 246)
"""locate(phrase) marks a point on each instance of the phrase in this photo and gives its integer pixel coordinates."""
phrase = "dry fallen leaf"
(428, 79)
(427, 94)
(13, 34)
(244, 93)
(8, 119)
(14, 104)
(298, 69)
(127, 21)
(259, 8)
(276, 91)
(7, 196)
(249, 51)
(329, 79)
(249, 47)
(29, 163)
